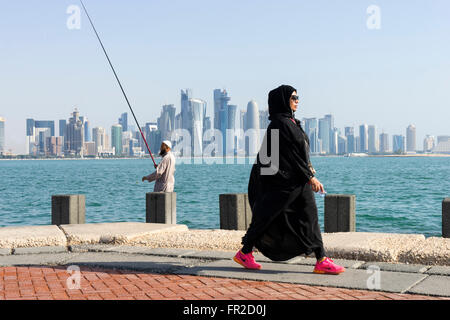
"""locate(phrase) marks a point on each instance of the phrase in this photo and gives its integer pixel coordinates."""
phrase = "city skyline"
(88, 130)
(324, 137)
(392, 76)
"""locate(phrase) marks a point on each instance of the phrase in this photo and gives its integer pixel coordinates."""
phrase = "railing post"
(235, 212)
(446, 218)
(161, 207)
(339, 215)
(68, 209)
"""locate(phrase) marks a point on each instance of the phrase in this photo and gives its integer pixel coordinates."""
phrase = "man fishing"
(164, 174)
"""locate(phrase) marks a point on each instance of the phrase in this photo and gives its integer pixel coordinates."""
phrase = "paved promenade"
(50, 283)
(34, 263)
(180, 266)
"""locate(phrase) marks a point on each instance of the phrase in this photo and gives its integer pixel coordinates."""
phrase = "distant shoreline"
(413, 155)
(437, 155)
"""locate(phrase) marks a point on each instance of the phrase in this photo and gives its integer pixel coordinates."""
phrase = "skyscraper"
(207, 124)
(75, 134)
(154, 140)
(46, 124)
(2, 136)
(62, 128)
(123, 121)
(443, 145)
(126, 137)
(252, 133)
(99, 138)
(330, 119)
(186, 112)
(342, 144)
(364, 138)
(221, 100)
(325, 134)
(243, 128)
(178, 121)
(37, 133)
(311, 131)
(411, 138)
(441, 139)
(116, 139)
(44, 129)
(166, 122)
(315, 146)
(428, 143)
(134, 147)
(231, 139)
(398, 144)
(357, 144)
(243, 120)
(350, 135)
(30, 137)
(219, 97)
(373, 139)
(87, 131)
(198, 109)
(89, 149)
(54, 146)
(384, 142)
(264, 119)
(334, 141)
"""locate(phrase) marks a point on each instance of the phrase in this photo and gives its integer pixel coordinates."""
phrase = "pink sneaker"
(246, 260)
(328, 266)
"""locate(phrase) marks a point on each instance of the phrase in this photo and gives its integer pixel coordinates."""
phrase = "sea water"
(393, 194)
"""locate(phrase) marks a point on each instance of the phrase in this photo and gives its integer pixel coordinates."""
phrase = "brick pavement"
(50, 283)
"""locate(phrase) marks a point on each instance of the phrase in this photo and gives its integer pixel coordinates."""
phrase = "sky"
(390, 77)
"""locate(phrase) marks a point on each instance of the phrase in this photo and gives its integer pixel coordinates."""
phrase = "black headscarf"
(279, 102)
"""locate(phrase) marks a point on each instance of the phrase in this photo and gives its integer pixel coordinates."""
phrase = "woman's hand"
(316, 185)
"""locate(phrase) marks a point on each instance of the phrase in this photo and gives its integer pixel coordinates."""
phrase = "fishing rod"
(118, 81)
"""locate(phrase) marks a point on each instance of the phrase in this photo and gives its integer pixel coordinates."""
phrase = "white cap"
(168, 143)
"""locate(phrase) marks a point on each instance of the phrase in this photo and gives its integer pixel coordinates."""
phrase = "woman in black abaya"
(284, 222)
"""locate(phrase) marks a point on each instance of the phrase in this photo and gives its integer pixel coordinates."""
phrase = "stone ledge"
(360, 246)
(76, 234)
(31, 236)
(388, 247)
(77, 248)
(40, 250)
(114, 233)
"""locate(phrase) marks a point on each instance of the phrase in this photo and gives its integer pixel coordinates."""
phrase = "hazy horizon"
(389, 77)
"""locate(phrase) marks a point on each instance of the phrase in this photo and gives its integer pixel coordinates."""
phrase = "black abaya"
(284, 222)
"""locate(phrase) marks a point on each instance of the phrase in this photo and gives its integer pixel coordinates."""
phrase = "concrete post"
(339, 213)
(446, 218)
(161, 207)
(68, 209)
(235, 211)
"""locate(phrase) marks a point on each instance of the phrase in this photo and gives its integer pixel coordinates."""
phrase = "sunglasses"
(294, 97)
